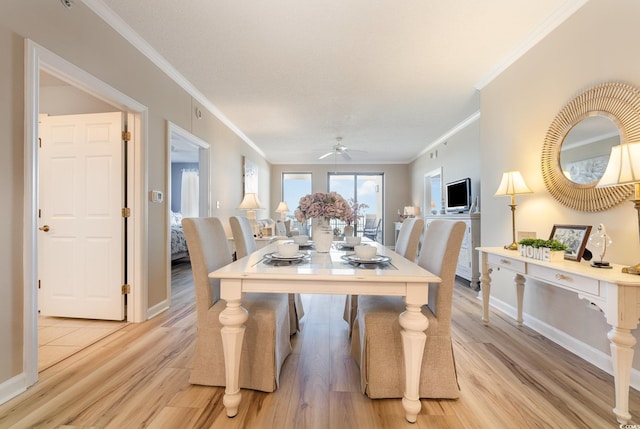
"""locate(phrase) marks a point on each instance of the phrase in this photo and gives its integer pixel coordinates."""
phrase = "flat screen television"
(458, 196)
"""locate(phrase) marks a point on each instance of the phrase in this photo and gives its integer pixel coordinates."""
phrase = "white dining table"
(325, 273)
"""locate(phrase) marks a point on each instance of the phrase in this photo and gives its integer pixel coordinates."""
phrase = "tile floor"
(59, 338)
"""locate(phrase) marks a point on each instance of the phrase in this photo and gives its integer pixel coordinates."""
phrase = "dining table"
(338, 271)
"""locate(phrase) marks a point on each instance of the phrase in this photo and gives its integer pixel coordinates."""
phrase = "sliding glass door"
(362, 188)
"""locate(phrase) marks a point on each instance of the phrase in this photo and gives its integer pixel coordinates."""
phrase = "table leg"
(413, 324)
(232, 318)
(622, 343)
(519, 279)
(485, 287)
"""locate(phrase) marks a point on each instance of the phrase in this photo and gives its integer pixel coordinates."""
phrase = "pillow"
(176, 218)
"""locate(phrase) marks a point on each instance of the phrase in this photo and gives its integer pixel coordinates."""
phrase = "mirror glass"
(586, 148)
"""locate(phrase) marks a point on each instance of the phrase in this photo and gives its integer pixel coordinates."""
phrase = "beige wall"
(81, 38)
(458, 156)
(396, 178)
(595, 45)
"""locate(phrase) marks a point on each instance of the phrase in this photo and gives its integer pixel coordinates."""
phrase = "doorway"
(39, 59)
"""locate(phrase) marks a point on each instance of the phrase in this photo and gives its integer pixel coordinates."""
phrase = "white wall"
(597, 44)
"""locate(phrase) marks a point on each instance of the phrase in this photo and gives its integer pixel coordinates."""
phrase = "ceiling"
(392, 79)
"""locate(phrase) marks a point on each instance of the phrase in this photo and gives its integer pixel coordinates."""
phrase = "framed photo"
(249, 175)
(574, 237)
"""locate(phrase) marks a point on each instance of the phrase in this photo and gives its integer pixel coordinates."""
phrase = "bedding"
(178, 241)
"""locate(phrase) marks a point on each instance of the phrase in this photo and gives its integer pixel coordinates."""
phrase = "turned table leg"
(413, 324)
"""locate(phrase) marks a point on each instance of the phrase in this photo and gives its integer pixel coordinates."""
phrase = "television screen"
(459, 195)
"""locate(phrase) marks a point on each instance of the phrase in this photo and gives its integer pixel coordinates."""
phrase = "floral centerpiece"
(320, 205)
(355, 211)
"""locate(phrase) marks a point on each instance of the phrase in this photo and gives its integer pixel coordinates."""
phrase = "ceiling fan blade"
(345, 155)
(326, 155)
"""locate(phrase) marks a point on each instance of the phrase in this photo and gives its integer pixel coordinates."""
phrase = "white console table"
(617, 294)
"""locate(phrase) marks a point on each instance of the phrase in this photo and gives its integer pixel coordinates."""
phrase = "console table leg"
(622, 356)
(485, 288)
(232, 318)
(519, 279)
(413, 324)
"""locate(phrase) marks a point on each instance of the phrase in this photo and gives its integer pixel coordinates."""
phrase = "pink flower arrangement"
(330, 206)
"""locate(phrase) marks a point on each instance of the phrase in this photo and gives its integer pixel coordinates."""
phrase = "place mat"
(275, 258)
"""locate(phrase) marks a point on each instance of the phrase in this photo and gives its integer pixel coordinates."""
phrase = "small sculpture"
(600, 240)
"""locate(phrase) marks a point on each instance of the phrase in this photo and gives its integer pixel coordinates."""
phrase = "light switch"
(156, 196)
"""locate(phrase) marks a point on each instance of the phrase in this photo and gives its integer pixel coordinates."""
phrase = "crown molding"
(459, 127)
(112, 19)
(550, 24)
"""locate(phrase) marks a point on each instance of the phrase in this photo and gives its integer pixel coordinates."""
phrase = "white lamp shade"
(282, 207)
(623, 167)
(512, 183)
(250, 201)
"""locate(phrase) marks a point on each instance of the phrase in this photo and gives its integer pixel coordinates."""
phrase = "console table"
(617, 294)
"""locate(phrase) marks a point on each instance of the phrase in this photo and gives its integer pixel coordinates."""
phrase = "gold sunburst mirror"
(578, 143)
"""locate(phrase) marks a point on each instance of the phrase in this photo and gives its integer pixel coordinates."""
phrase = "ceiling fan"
(340, 149)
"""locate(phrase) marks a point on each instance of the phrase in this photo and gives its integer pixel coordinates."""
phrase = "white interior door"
(81, 238)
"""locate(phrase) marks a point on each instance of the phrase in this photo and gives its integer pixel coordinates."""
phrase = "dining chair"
(376, 343)
(406, 245)
(266, 339)
(245, 244)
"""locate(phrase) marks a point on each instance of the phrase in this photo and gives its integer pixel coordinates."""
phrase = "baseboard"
(585, 351)
(157, 309)
(13, 387)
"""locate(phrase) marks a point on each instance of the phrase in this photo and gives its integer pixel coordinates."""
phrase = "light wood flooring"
(510, 377)
(59, 338)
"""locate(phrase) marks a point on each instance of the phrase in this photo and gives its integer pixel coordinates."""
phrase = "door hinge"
(126, 135)
(39, 142)
(126, 212)
(39, 285)
(126, 289)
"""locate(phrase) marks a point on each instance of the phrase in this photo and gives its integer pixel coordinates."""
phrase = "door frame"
(38, 58)
(204, 209)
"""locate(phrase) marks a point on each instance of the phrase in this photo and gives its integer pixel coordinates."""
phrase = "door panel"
(81, 257)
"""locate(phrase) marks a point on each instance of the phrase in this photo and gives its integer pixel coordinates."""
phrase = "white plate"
(275, 256)
(345, 246)
(378, 259)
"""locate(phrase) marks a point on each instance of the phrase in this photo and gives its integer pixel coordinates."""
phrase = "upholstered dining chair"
(245, 244)
(406, 245)
(376, 343)
(266, 339)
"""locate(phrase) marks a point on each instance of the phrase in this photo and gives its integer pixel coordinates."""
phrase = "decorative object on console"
(283, 209)
(512, 184)
(624, 169)
(600, 240)
(543, 250)
(250, 203)
(574, 237)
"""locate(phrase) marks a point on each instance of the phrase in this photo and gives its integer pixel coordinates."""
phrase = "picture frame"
(574, 237)
(249, 176)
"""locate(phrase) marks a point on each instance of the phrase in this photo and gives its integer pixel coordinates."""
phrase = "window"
(295, 186)
(364, 189)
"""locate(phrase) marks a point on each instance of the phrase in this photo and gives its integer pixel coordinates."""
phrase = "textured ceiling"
(391, 78)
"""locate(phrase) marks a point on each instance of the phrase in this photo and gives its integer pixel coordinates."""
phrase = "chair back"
(439, 255)
(409, 238)
(208, 251)
(369, 221)
(243, 237)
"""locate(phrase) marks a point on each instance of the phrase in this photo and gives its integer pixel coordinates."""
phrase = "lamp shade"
(512, 183)
(282, 207)
(250, 201)
(623, 167)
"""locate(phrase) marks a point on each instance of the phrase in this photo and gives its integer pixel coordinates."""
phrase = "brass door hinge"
(126, 212)
(126, 289)
(126, 135)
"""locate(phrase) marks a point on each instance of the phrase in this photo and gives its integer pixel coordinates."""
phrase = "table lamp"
(283, 209)
(512, 183)
(250, 203)
(624, 169)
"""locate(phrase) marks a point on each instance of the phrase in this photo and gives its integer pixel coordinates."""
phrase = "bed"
(178, 242)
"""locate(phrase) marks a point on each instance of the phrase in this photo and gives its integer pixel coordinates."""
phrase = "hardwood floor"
(59, 337)
(510, 377)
